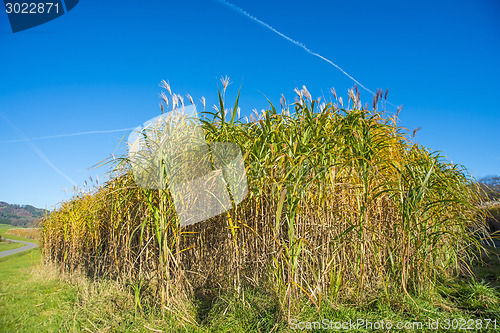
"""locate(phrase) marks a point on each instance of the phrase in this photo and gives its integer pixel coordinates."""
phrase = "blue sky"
(97, 68)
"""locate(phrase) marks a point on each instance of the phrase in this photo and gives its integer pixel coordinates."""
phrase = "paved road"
(27, 246)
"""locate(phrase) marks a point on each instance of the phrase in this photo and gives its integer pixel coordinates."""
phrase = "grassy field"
(4, 234)
(35, 298)
(5, 227)
(38, 298)
(6, 245)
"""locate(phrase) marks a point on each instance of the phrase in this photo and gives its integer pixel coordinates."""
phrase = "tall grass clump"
(342, 206)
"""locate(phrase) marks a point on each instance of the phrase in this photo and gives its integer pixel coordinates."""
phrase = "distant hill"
(20, 215)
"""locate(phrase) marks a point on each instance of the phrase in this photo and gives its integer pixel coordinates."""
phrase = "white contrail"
(66, 135)
(250, 16)
(37, 150)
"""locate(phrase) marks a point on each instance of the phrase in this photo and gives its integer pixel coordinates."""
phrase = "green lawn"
(28, 304)
(6, 245)
(34, 298)
(31, 301)
(5, 227)
(10, 245)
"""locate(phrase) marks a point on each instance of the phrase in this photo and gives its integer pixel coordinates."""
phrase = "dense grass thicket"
(342, 207)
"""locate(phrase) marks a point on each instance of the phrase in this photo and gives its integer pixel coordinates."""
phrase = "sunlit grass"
(38, 297)
(342, 206)
(6, 245)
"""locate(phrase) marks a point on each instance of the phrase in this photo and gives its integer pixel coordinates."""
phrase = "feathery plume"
(166, 85)
(175, 101)
(351, 94)
(298, 92)
(181, 99)
(307, 95)
(225, 82)
(334, 93)
(190, 99)
(399, 110)
(163, 96)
